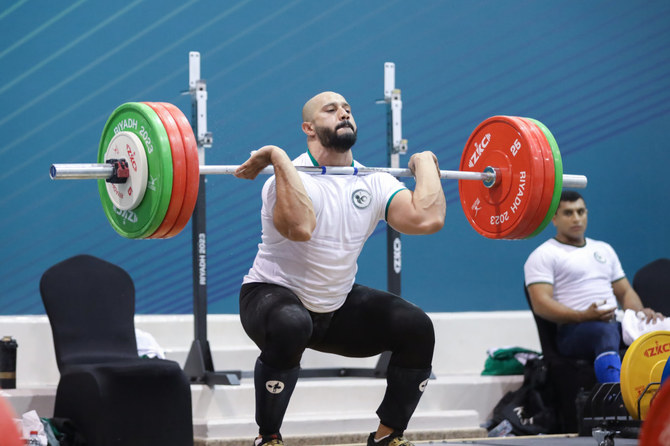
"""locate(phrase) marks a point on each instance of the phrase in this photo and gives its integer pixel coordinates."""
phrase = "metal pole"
(395, 146)
(199, 366)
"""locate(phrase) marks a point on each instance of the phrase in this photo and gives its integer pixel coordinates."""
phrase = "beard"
(338, 142)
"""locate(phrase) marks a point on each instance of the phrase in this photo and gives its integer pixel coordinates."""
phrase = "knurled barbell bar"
(149, 160)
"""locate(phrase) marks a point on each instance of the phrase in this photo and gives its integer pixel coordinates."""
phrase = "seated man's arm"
(421, 211)
(543, 302)
(629, 299)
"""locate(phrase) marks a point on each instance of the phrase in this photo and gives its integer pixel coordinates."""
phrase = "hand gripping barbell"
(148, 158)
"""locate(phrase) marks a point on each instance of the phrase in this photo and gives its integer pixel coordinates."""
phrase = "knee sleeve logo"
(274, 386)
(423, 385)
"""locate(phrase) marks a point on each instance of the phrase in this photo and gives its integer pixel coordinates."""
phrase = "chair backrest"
(652, 284)
(546, 331)
(91, 307)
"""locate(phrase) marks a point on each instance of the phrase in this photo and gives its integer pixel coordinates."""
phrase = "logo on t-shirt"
(599, 258)
(361, 198)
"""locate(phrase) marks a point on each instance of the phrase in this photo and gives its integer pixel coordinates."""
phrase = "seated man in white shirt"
(578, 282)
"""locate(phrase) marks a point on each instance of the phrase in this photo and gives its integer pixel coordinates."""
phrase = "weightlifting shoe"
(395, 439)
(269, 440)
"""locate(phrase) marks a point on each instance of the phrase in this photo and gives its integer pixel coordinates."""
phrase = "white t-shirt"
(322, 271)
(580, 275)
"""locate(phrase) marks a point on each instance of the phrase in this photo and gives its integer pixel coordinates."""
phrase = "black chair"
(652, 284)
(111, 395)
(568, 377)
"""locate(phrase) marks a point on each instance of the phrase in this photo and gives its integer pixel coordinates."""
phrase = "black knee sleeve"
(273, 392)
(404, 388)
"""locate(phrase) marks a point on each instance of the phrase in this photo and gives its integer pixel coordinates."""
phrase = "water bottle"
(33, 439)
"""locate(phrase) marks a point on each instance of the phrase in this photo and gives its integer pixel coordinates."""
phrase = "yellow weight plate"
(643, 364)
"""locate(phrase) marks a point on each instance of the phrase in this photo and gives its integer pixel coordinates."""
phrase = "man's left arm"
(629, 300)
(421, 211)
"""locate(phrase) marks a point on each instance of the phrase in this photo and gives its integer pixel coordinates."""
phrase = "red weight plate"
(543, 192)
(498, 142)
(535, 190)
(549, 179)
(178, 170)
(9, 434)
(656, 427)
(192, 169)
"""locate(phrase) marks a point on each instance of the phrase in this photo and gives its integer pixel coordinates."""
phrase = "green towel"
(507, 360)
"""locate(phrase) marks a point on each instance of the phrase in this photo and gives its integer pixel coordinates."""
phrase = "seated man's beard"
(338, 142)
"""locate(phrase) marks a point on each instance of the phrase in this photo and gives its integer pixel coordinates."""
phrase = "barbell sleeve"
(93, 171)
(574, 181)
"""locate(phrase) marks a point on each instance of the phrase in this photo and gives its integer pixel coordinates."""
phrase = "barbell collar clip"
(120, 172)
(492, 175)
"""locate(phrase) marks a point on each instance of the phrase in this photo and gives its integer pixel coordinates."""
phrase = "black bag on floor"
(66, 432)
(530, 409)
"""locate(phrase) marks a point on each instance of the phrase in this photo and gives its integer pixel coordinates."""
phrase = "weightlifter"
(577, 282)
(301, 291)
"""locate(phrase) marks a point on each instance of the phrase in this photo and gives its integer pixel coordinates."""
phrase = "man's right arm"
(543, 303)
(293, 213)
(422, 210)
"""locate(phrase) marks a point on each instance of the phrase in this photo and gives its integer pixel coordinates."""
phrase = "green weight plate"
(558, 178)
(144, 219)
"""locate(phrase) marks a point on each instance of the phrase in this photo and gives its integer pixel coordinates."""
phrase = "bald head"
(319, 101)
(329, 123)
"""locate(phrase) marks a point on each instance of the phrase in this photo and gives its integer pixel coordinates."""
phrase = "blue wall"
(597, 73)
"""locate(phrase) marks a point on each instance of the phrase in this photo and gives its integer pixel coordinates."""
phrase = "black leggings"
(370, 322)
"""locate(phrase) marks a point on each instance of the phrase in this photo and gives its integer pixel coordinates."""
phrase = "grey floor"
(546, 440)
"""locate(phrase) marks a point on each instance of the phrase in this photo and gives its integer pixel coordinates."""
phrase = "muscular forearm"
(630, 300)
(428, 197)
(293, 212)
(632, 303)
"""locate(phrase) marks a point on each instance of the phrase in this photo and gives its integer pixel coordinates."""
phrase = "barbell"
(510, 177)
